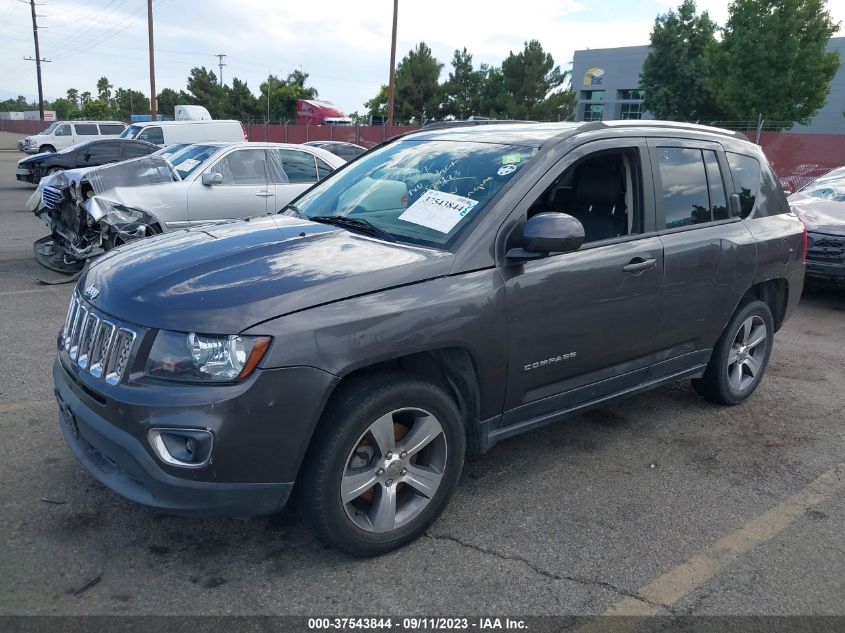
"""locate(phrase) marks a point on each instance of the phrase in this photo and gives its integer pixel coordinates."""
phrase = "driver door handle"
(639, 265)
(264, 193)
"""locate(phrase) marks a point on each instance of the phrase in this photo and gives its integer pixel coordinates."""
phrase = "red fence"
(366, 135)
(797, 158)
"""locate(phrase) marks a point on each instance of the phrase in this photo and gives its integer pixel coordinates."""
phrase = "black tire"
(54, 170)
(44, 149)
(349, 415)
(716, 385)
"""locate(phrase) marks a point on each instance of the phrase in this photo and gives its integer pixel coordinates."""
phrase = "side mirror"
(547, 233)
(212, 178)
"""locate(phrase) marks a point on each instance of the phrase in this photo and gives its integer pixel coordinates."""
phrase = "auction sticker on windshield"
(438, 210)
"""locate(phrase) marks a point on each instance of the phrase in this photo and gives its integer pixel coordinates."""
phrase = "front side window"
(133, 150)
(243, 167)
(746, 174)
(132, 131)
(423, 192)
(601, 191)
(686, 189)
(87, 129)
(109, 148)
(63, 130)
(298, 166)
(152, 134)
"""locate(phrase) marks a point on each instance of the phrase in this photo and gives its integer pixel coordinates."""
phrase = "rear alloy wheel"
(740, 356)
(383, 464)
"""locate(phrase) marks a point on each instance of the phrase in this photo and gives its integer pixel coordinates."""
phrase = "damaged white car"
(95, 209)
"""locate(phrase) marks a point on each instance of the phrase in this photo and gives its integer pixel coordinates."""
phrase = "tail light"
(804, 243)
(246, 138)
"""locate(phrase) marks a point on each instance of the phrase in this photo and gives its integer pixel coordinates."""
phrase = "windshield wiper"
(354, 223)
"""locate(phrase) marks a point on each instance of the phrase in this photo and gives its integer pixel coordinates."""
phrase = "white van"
(62, 134)
(164, 133)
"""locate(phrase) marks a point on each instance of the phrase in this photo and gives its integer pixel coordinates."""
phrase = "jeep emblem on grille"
(91, 292)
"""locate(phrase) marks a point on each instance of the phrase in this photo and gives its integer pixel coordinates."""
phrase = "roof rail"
(469, 123)
(646, 123)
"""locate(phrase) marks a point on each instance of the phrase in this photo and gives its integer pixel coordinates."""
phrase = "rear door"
(246, 189)
(709, 254)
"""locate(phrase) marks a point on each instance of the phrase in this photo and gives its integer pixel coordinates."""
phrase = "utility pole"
(152, 61)
(391, 91)
(220, 65)
(37, 59)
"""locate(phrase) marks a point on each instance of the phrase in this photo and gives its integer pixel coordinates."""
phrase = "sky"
(344, 45)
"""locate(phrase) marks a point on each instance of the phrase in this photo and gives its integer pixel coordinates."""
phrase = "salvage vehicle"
(454, 287)
(821, 207)
(347, 151)
(93, 210)
(89, 154)
(63, 134)
(164, 133)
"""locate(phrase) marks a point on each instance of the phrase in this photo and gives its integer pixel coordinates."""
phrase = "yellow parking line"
(680, 581)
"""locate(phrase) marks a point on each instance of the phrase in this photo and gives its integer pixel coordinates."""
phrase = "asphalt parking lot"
(662, 504)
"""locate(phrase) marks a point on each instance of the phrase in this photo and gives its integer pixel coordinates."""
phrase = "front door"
(582, 324)
(246, 189)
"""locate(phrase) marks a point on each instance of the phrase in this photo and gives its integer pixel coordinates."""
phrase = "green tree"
(416, 85)
(773, 61)
(127, 102)
(461, 92)
(206, 91)
(675, 73)
(84, 99)
(168, 99)
(558, 106)
(529, 77)
(104, 89)
(494, 94)
(64, 108)
(283, 95)
(96, 109)
(377, 106)
(73, 97)
(241, 102)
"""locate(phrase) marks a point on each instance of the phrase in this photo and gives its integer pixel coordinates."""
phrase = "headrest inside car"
(597, 184)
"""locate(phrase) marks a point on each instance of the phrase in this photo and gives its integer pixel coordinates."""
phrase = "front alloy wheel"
(394, 470)
(383, 462)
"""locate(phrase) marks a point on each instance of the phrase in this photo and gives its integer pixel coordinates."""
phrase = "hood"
(222, 279)
(818, 215)
(35, 158)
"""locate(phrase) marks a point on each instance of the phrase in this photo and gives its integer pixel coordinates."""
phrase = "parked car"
(89, 154)
(99, 208)
(821, 207)
(62, 134)
(164, 133)
(347, 151)
(450, 289)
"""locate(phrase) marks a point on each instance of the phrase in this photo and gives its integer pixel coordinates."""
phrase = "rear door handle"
(264, 194)
(638, 265)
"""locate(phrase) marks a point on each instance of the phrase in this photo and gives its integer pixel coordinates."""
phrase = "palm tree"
(73, 97)
(104, 88)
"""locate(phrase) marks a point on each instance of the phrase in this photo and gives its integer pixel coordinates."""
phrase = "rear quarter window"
(747, 177)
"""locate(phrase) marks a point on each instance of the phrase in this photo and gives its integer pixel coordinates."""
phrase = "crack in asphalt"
(589, 582)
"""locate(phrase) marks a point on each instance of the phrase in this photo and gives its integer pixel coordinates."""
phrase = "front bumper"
(257, 450)
(825, 272)
(27, 175)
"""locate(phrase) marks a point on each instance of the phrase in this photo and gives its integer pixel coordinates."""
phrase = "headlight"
(204, 357)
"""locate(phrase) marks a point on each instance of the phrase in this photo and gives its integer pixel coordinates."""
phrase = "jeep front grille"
(96, 343)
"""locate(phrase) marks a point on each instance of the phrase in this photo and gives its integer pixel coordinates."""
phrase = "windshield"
(828, 189)
(187, 161)
(52, 127)
(422, 192)
(132, 131)
(171, 150)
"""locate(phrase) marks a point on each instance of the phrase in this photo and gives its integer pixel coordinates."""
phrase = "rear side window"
(746, 174)
(86, 129)
(299, 166)
(152, 135)
(693, 192)
(110, 129)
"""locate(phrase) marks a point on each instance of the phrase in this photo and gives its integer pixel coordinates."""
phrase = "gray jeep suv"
(447, 290)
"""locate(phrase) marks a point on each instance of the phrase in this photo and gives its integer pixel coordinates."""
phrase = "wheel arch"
(772, 292)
